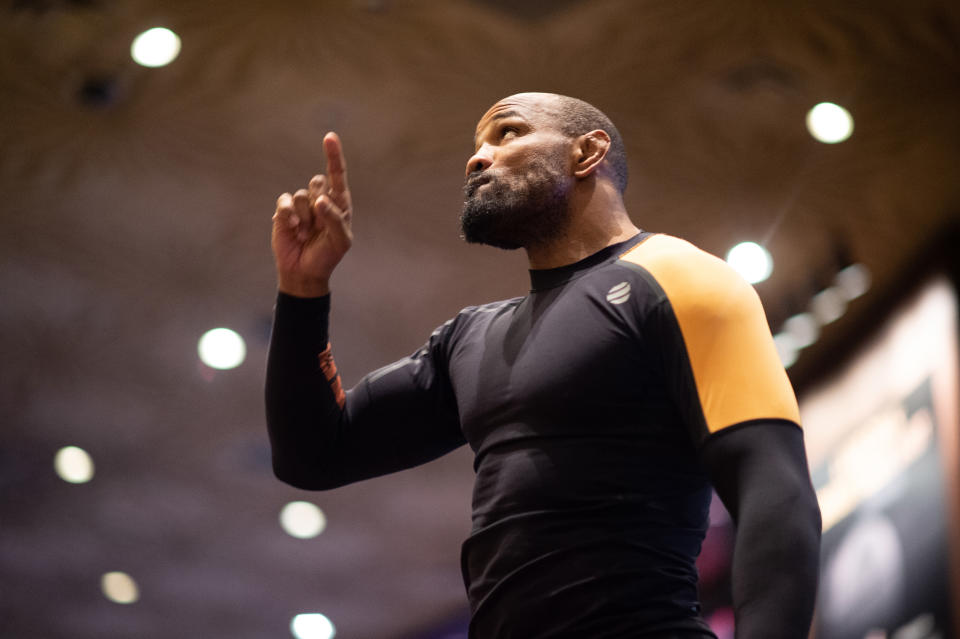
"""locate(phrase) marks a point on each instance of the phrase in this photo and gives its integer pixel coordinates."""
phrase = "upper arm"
(722, 371)
(720, 363)
(406, 411)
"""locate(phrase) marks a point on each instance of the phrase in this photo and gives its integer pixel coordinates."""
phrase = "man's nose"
(479, 161)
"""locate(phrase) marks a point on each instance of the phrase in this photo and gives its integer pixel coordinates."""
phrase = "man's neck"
(582, 240)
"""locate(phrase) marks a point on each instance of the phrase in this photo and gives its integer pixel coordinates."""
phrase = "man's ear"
(589, 151)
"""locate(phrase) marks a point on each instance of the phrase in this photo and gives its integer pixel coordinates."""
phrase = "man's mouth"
(474, 183)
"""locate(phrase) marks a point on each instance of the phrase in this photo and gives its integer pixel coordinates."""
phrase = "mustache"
(473, 182)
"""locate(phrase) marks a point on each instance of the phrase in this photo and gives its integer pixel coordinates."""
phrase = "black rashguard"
(587, 404)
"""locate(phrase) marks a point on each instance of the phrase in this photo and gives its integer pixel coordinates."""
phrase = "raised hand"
(311, 228)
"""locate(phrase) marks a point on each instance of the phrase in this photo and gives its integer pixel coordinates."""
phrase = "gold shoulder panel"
(738, 374)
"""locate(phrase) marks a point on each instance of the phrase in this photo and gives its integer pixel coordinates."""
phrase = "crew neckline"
(545, 278)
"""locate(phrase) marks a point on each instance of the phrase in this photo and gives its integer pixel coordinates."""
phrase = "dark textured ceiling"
(136, 213)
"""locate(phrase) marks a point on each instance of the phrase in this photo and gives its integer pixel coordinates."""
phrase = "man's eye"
(508, 129)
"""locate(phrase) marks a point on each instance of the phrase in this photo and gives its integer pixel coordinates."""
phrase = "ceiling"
(136, 214)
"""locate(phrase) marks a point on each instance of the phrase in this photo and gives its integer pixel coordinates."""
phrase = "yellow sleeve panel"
(736, 369)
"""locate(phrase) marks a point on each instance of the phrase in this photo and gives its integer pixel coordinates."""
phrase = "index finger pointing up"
(336, 164)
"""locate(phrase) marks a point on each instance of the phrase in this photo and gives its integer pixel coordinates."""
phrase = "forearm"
(303, 414)
(775, 565)
(760, 472)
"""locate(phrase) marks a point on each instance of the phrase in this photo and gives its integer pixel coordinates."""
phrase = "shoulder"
(737, 374)
(692, 280)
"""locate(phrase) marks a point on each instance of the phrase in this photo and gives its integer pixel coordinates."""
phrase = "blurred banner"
(882, 438)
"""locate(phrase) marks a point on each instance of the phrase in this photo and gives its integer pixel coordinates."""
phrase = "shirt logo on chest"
(619, 293)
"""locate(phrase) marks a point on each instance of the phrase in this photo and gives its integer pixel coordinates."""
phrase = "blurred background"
(138, 178)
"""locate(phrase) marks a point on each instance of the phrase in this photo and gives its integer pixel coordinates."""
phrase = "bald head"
(574, 117)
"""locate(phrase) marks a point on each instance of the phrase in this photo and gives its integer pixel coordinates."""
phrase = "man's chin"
(473, 235)
(481, 225)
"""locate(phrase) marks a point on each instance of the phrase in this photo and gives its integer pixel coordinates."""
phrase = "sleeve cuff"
(302, 321)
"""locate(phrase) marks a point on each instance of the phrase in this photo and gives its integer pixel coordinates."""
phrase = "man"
(601, 406)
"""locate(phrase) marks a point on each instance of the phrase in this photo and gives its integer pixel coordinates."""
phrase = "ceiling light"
(312, 625)
(119, 587)
(828, 305)
(155, 47)
(222, 348)
(786, 349)
(853, 281)
(73, 464)
(803, 328)
(302, 520)
(829, 123)
(751, 261)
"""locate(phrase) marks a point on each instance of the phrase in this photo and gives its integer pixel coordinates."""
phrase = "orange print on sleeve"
(329, 368)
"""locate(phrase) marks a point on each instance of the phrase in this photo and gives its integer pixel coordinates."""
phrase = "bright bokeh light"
(312, 625)
(155, 47)
(853, 281)
(73, 464)
(828, 305)
(222, 348)
(829, 123)
(786, 349)
(751, 261)
(119, 587)
(803, 328)
(302, 520)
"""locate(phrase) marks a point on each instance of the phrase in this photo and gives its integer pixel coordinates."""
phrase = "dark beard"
(516, 212)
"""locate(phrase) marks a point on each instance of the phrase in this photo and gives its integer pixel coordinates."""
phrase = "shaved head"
(574, 117)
